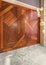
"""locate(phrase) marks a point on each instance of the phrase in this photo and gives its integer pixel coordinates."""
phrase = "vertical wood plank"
(1, 32)
(0, 3)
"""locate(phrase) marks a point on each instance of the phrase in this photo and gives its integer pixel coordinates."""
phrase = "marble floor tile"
(31, 55)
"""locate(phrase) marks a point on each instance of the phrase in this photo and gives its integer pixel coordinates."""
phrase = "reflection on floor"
(32, 55)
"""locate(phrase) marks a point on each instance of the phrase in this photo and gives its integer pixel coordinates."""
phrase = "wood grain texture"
(0, 32)
(0, 3)
(6, 10)
(19, 27)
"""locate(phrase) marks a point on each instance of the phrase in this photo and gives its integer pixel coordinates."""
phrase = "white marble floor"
(32, 55)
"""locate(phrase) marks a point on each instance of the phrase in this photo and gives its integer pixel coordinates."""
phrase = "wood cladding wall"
(0, 3)
(19, 27)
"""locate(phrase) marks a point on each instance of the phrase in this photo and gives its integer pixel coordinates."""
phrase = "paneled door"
(19, 27)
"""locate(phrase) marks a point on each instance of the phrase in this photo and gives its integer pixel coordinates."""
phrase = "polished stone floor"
(32, 55)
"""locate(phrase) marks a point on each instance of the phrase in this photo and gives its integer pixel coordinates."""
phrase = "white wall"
(31, 2)
(44, 4)
(45, 22)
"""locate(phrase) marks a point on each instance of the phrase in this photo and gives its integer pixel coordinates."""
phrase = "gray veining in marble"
(32, 55)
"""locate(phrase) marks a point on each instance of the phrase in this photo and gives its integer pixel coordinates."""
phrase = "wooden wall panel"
(0, 32)
(20, 27)
(0, 3)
